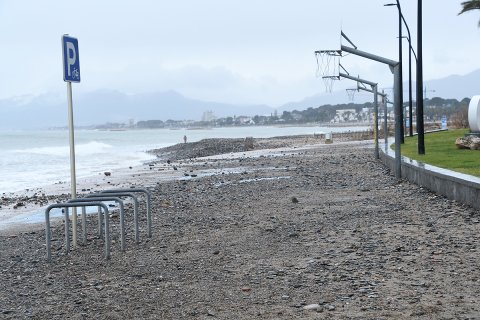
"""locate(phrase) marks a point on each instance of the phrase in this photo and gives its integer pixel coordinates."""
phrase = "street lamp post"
(410, 111)
(411, 50)
(410, 107)
(410, 102)
(420, 128)
(400, 65)
(400, 59)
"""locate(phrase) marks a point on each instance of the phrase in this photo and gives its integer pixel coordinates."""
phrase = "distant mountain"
(451, 87)
(455, 86)
(103, 106)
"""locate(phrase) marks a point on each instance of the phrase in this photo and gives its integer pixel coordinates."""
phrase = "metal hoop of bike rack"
(84, 217)
(67, 232)
(148, 201)
(122, 194)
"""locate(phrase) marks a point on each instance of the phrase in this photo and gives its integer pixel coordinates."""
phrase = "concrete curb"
(456, 186)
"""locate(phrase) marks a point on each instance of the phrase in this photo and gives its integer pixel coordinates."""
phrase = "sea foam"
(85, 149)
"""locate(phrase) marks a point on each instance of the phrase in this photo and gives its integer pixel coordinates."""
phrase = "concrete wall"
(455, 186)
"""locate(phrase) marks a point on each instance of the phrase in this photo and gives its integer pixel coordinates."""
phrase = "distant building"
(244, 120)
(208, 116)
(345, 115)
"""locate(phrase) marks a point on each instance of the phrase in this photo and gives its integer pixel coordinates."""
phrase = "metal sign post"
(71, 73)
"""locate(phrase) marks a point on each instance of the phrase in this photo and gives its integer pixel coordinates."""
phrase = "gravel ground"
(318, 233)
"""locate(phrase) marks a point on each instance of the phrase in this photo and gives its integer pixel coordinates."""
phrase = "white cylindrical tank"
(474, 114)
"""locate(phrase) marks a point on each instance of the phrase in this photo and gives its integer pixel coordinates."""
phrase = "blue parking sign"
(71, 59)
(444, 122)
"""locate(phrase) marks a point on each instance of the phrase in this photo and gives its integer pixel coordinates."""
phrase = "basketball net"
(351, 94)
(328, 67)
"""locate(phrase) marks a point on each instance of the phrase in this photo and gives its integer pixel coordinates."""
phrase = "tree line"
(434, 109)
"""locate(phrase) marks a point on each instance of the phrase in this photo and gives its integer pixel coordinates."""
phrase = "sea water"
(31, 159)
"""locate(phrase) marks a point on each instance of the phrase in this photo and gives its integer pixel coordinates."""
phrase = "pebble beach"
(288, 228)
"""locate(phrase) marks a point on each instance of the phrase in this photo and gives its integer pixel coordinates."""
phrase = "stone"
(18, 205)
(210, 313)
(313, 306)
(468, 142)
(7, 311)
(249, 143)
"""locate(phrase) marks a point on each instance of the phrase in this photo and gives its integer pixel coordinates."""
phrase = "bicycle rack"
(84, 217)
(122, 194)
(67, 232)
(148, 201)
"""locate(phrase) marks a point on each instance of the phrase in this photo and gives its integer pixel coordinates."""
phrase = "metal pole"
(385, 118)
(420, 128)
(400, 54)
(410, 103)
(367, 55)
(67, 231)
(398, 122)
(375, 120)
(73, 182)
(84, 225)
(375, 106)
(347, 76)
(346, 38)
(410, 50)
(376, 112)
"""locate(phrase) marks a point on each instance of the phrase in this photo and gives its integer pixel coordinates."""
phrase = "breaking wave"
(85, 149)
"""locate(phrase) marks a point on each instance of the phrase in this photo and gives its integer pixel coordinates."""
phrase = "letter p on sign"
(71, 61)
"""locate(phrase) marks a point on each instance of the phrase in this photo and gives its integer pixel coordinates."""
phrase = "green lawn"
(441, 151)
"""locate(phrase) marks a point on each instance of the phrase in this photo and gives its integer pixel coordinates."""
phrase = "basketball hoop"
(328, 67)
(351, 94)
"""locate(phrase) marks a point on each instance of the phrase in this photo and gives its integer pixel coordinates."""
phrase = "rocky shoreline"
(210, 147)
(309, 231)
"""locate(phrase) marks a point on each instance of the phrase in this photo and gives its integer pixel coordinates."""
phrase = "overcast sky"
(238, 51)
